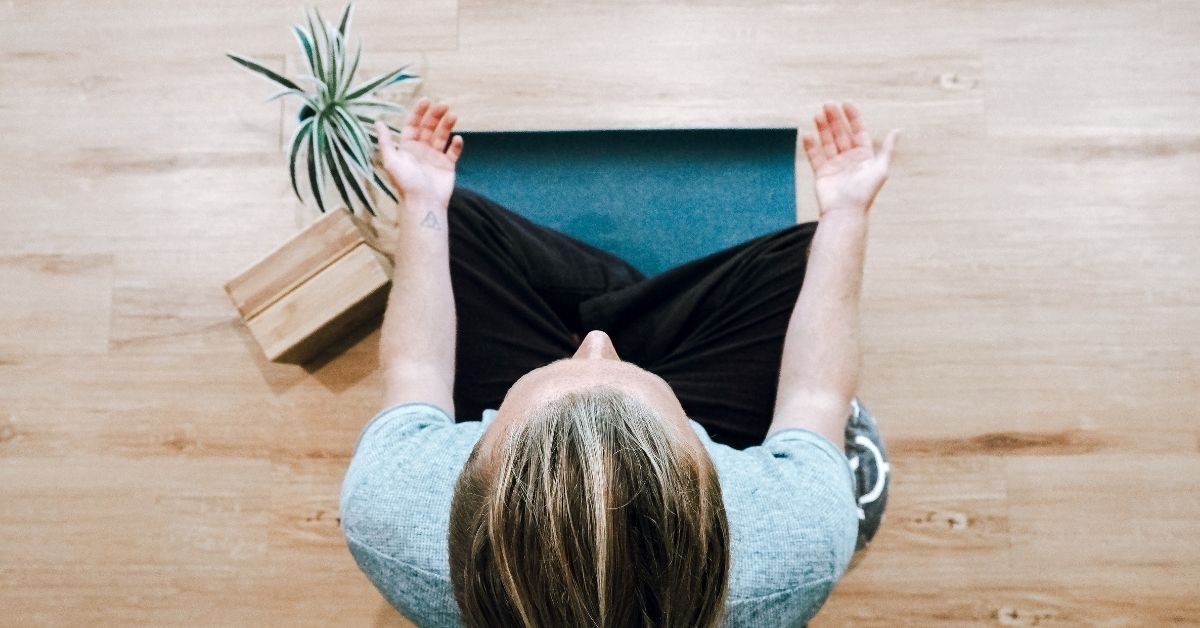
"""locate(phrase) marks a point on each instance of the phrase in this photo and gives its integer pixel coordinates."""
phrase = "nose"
(596, 345)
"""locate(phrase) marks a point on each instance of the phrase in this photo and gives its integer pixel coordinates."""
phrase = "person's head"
(589, 501)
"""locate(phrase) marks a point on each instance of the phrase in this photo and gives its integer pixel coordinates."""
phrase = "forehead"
(548, 382)
(553, 380)
(560, 376)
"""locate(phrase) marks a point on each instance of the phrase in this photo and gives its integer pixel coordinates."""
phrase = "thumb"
(385, 156)
(386, 141)
(889, 144)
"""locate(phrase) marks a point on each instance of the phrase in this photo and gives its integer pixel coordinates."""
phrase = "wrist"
(418, 231)
(421, 214)
(424, 202)
(421, 203)
(844, 219)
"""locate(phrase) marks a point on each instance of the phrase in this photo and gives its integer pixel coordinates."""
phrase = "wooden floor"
(1032, 301)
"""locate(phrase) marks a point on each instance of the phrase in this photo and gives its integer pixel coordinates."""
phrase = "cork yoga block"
(307, 293)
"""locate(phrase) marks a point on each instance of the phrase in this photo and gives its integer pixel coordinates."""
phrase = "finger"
(387, 151)
(815, 157)
(837, 123)
(858, 132)
(889, 145)
(455, 150)
(412, 125)
(429, 123)
(384, 207)
(387, 143)
(442, 133)
(828, 146)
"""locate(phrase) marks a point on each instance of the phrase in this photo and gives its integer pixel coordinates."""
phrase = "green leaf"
(368, 166)
(335, 173)
(344, 23)
(296, 142)
(361, 160)
(316, 173)
(339, 62)
(371, 174)
(265, 71)
(330, 62)
(383, 186)
(369, 123)
(370, 171)
(352, 177)
(318, 56)
(366, 172)
(383, 80)
(306, 45)
(350, 130)
(321, 86)
(308, 99)
(349, 77)
(377, 104)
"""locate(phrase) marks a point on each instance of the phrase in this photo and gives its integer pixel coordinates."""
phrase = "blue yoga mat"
(656, 198)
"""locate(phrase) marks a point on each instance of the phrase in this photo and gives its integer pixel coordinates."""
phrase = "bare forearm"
(821, 354)
(819, 372)
(418, 339)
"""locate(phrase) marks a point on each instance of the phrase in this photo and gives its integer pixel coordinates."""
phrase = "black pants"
(712, 328)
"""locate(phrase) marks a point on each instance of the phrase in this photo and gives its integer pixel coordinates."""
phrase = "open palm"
(848, 171)
(421, 165)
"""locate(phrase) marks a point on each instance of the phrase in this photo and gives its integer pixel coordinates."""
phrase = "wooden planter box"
(312, 289)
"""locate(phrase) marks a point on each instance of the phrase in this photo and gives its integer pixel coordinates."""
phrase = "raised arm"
(417, 344)
(819, 373)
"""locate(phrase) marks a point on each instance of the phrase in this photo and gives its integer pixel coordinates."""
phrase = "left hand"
(421, 166)
(848, 171)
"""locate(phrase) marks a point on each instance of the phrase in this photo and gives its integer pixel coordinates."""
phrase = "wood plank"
(305, 531)
(668, 65)
(56, 303)
(207, 406)
(996, 594)
(347, 292)
(1031, 565)
(1030, 313)
(954, 505)
(102, 107)
(1109, 70)
(1086, 396)
(294, 262)
(132, 28)
(180, 522)
(1137, 510)
(950, 517)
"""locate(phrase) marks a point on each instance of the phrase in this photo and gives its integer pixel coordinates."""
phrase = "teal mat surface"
(656, 198)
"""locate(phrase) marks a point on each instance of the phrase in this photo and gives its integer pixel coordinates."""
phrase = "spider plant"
(335, 127)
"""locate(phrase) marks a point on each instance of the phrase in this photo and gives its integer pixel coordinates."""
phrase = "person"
(565, 442)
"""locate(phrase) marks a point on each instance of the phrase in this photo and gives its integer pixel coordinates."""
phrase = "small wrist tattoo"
(430, 221)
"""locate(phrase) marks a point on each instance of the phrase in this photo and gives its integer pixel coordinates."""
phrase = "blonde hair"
(590, 512)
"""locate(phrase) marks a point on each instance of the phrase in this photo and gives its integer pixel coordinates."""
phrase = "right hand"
(848, 171)
(421, 165)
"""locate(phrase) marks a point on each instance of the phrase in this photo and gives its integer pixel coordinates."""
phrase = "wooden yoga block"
(312, 289)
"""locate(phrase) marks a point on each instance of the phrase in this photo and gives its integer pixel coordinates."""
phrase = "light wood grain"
(55, 304)
(348, 290)
(1031, 310)
(293, 263)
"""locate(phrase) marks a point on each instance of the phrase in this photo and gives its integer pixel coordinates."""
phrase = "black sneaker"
(872, 473)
